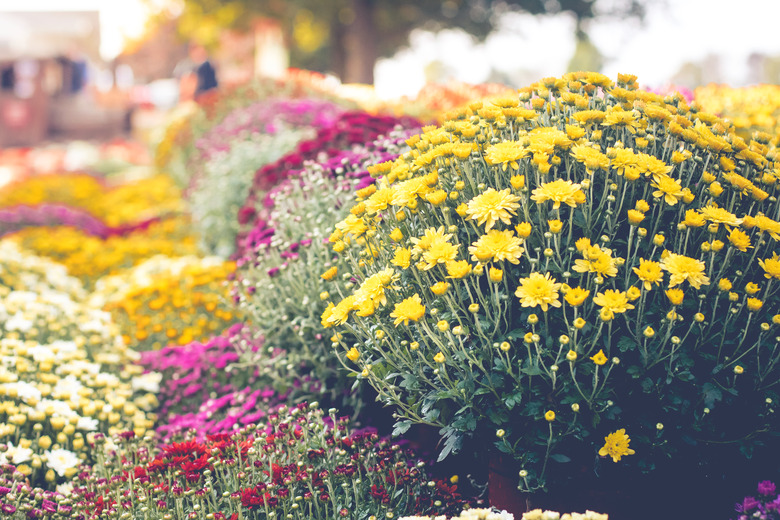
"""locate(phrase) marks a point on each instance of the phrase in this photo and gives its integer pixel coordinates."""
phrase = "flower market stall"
(483, 303)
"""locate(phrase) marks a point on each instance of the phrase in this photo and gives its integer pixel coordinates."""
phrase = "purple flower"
(8, 509)
(747, 505)
(766, 487)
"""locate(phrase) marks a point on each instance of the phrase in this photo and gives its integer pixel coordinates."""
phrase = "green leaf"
(711, 393)
(557, 457)
(401, 427)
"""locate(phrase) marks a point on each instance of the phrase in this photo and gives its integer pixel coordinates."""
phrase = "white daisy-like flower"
(87, 424)
(149, 382)
(61, 460)
(25, 391)
(17, 455)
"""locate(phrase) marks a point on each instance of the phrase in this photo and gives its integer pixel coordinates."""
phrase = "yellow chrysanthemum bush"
(169, 301)
(125, 204)
(566, 271)
(750, 109)
(90, 258)
(66, 373)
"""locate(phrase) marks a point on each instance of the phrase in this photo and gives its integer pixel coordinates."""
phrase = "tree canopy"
(346, 37)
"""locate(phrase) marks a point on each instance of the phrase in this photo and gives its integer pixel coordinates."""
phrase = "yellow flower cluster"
(131, 202)
(612, 211)
(75, 190)
(90, 258)
(169, 301)
(750, 109)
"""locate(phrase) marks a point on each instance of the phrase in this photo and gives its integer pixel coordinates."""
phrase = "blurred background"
(94, 69)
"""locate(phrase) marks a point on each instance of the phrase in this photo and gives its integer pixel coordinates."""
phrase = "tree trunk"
(360, 49)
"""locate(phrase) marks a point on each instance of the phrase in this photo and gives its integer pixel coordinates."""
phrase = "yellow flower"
(642, 205)
(616, 116)
(492, 206)
(402, 258)
(353, 354)
(754, 304)
(649, 332)
(396, 235)
(635, 217)
(579, 323)
(539, 290)
(436, 197)
(409, 309)
(559, 191)
(613, 301)
(682, 268)
(443, 325)
(549, 416)
(496, 275)
(340, 313)
(771, 266)
(595, 260)
(439, 357)
(440, 251)
(430, 235)
(675, 296)
(439, 288)
(739, 370)
(524, 229)
(599, 358)
(576, 296)
(506, 153)
(497, 246)
(724, 284)
(633, 293)
(752, 288)
(668, 188)
(571, 356)
(517, 181)
(694, 219)
(717, 215)
(765, 223)
(616, 445)
(591, 157)
(555, 226)
(649, 272)
(352, 225)
(458, 269)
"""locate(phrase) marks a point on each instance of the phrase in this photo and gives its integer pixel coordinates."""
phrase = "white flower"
(68, 387)
(16, 454)
(105, 379)
(18, 322)
(65, 489)
(87, 423)
(61, 460)
(63, 347)
(149, 382)
(26, 392)
(58, 408)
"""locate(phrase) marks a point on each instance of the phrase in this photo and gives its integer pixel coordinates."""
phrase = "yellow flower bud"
(571, 356)
(549, 416)
(649, 332)
(658, 240)
(443, 325)
(579, 323)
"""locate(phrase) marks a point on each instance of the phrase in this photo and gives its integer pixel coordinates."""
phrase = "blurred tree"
(348, 36)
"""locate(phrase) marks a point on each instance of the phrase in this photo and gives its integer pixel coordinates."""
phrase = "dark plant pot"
(503, 479)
